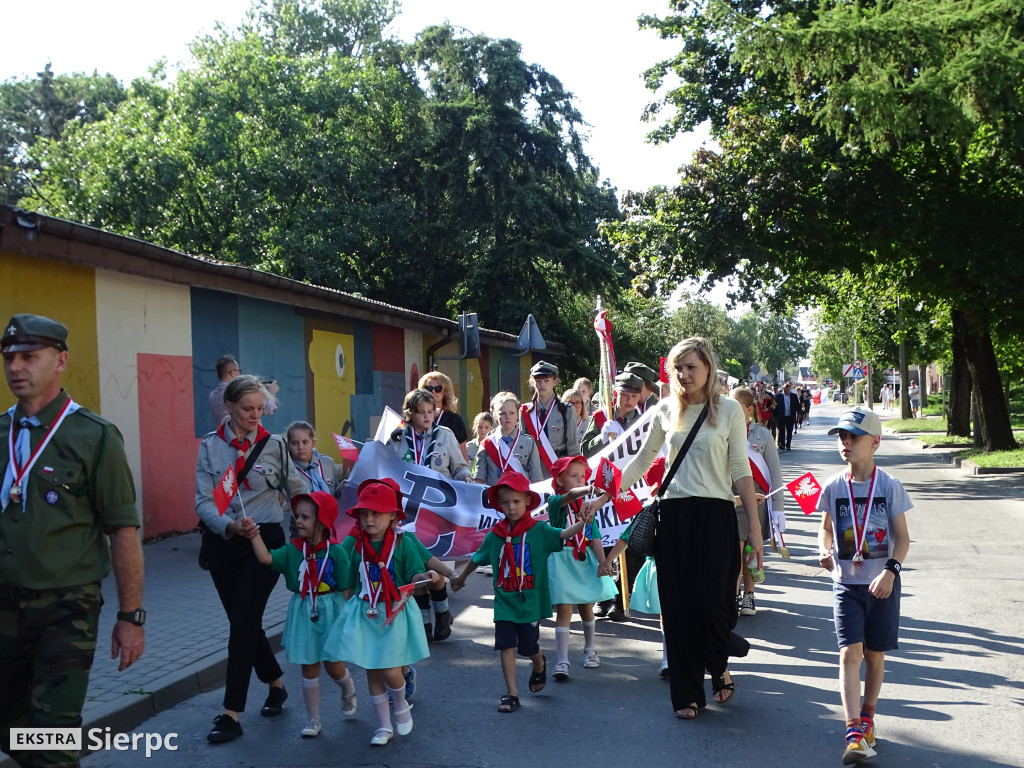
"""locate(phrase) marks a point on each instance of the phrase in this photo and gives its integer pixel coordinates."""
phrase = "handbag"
(645, 523)
(257, 449)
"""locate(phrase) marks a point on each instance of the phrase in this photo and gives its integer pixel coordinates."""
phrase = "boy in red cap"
(310, 565)
(518, 548)
(369, 631)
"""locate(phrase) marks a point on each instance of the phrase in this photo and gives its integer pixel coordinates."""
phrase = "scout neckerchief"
(418, 452)
(16, 475)
(386, 589)
(242, 446)
(530, 419)
(580, 540)
(859, 534)
(507, 563)
(502, 455)
(310, 576)
(314, 472)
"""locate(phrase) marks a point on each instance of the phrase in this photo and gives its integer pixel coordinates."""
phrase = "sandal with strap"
(509, 703)
(689, 712)
(539, 679)
(723, 685)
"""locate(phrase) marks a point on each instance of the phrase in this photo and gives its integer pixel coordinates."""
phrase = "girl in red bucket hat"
(518, 548)
(311, 566)
(572, 571)
(380, 630)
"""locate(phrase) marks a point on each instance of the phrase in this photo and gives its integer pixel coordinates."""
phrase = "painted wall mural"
(143, 354)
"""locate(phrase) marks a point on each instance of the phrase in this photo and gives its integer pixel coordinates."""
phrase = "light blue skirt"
(575, 582)
(303, 639)
(366, 642)
(645, 590)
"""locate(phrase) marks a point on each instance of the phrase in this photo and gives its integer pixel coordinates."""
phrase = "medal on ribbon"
(860, 532)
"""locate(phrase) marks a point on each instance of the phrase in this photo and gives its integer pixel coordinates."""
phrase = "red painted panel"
(169, 445)
(388, 348)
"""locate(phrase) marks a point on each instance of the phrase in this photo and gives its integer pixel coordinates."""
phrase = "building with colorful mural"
(147, 325)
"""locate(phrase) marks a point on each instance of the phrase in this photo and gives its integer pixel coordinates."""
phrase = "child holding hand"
(311, 565)
(573, 570)
(518, 548)
(381, 560)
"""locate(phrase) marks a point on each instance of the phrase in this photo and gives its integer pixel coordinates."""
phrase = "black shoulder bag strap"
(682, 452)
(254, 454)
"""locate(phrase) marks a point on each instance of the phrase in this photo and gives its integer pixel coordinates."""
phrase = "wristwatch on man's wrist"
(136, 617)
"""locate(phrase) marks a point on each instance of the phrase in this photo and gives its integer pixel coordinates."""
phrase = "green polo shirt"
(79, 490)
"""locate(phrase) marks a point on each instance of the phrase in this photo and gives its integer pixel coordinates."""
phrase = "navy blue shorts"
(862, 618)
(525, 637)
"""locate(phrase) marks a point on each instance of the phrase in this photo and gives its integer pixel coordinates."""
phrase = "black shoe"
(603, 607)
(225, 728)
(617, 614)
(442, 626)
(273, 705)
(737, 646)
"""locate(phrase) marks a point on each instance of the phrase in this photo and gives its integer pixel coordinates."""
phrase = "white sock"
(346, 683)
(562, 644)
(311, 695)
(402, 713)
(440, 606)
(380, 703)
(589, 630)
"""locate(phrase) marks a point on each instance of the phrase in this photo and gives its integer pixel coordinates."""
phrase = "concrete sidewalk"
(953, 691)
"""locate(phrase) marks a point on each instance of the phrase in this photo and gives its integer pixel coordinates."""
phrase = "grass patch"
(916, 425)
(940, 439)
(996, 458)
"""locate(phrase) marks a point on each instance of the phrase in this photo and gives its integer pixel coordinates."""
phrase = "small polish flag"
(805, 490)
(404, 592)
(225, 490)
(346, 447)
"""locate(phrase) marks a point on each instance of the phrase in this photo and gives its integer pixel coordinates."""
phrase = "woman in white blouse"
(696, 547)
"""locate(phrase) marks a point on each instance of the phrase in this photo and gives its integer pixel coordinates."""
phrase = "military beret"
(641, 370)
(25, 333)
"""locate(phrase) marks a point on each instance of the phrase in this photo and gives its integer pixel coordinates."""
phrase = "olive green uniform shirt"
(592, 442)
(79, 490)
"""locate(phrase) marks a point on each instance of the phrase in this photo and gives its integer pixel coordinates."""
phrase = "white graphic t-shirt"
(889, 500)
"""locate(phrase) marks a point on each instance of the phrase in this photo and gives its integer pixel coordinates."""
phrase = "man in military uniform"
(547, 419)
(628, 391)
(652, 384)
(66, 488)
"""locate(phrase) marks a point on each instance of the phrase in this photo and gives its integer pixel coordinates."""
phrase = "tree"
(40, 108)
(802, 189)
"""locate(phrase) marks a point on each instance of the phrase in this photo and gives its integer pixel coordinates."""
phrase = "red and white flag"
(225, 490)
(346, 447)
(806, 490)
(391, 611)
(608, 478)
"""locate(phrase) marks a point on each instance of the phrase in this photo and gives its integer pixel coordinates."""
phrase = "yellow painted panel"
(332, 361)
(474, 390)
(65, 292)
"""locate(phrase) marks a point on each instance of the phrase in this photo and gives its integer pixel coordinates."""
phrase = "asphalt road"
(953, 694)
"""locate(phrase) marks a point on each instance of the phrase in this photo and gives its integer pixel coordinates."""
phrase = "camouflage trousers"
(47, 642)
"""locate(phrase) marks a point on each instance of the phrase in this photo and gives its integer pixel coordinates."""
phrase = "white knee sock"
(562, 644)
(380, 703)
(589, 630)
(311, 695)
(346, 683)
(402, 713)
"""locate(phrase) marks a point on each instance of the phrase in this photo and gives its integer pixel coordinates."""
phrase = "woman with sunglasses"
(441, 387)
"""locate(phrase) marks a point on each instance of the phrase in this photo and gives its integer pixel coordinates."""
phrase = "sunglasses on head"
(434, 388)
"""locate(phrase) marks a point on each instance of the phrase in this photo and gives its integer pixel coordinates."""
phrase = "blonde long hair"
(447, 401)
(745, 397)
(702, 347)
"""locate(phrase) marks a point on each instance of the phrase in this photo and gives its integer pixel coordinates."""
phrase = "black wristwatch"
(136, 617)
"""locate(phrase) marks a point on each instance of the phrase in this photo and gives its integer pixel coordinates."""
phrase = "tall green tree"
(795, 194)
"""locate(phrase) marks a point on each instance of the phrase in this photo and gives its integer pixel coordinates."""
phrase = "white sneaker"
(312, 728)
(747, 606)
(381, 737)
(561, 673)
(592, 660)
(348, 704)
